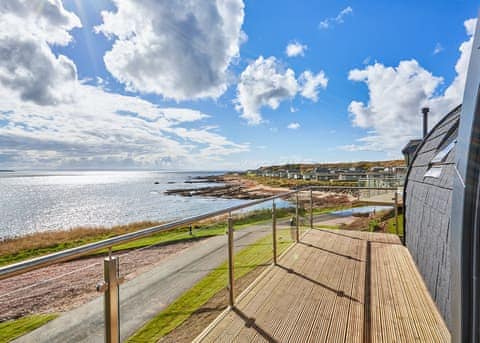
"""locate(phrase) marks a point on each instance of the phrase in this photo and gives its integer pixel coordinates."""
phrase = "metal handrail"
(355, 188)
(69, 254)
(111, 264)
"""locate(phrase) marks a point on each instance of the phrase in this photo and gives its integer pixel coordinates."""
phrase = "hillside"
(303, 167)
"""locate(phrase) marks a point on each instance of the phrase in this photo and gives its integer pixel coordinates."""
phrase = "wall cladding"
(427, 211)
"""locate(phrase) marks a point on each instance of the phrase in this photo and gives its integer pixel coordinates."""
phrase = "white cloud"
(293, 126)
(438, 49)
(310, 84)
(265, 82)
(179, 49)
(338, 19)
(295, 49)
(396, 95)
(27, 65)
(49, 119)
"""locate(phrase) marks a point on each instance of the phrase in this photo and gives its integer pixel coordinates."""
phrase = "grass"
(282, 182)
(12, 329)
(390, 227)
(245, 261)
(26, 247)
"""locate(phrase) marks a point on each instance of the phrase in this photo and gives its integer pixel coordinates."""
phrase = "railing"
(110, 285)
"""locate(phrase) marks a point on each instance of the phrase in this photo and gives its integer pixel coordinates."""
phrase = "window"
(433, 172)
(442, 154)
(435, 169)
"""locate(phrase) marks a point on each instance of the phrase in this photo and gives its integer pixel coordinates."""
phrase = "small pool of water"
(361, 210)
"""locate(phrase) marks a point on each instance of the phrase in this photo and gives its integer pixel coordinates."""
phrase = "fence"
(302, 198)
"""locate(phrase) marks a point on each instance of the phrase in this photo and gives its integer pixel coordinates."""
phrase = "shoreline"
(236, 186)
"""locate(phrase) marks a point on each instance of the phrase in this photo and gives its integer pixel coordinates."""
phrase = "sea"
(35, 201)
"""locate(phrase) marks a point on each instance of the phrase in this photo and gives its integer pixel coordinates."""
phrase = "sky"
(223, 84)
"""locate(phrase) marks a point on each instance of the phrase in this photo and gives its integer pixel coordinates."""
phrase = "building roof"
(428, 197)
(411, 146)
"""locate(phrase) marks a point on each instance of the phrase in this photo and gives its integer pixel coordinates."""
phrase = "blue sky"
(234, 98)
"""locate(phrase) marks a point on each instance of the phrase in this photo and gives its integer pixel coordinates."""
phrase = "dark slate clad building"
(428, 196)
(409, 150)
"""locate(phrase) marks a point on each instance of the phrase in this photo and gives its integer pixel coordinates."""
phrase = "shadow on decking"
(330, 251)
(335, 286)
(250, 323)
(305, 277)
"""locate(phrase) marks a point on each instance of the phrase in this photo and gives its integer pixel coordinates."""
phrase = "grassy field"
(246, 260)
(30, 246)
(390, 227)
(289, 183)
(10, 330)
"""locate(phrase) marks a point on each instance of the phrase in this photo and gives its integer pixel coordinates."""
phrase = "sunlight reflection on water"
(41, 201)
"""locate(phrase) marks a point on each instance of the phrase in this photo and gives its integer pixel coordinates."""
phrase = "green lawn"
(391, 225)
(245, 261)
(12, 329)
(15, 328)
(199, 231)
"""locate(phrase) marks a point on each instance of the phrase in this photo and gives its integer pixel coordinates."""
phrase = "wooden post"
(396, 212)
(311, 209)
(111, 301)
(231, 295)
(274, 232)
(296, 219)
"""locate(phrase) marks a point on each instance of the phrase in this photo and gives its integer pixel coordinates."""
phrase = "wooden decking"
(335, 286)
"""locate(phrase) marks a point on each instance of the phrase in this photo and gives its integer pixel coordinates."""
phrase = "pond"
(361, 210)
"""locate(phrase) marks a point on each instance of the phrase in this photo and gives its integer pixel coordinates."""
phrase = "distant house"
(322, 176)
(351, 176)
(321, 170)
(307, 176)
(377, 169)
(409, 150)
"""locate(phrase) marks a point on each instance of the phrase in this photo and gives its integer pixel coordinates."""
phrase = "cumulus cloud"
(338, 19)
(295, 49)
(310, 84)
(27, 65)
(265, 82)
(50, 119)
(293, 126)
(396, 95)
(179, 49)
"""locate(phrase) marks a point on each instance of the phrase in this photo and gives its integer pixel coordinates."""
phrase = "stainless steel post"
(395, 198)
(311, 209)
(112, 304)
(296, 219)
(231, 295)
(274, 233)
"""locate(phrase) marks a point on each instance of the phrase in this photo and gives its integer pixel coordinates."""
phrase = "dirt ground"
(197, 322)
(64, 286)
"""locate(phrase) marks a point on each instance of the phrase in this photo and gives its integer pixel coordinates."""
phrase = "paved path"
(146, 295)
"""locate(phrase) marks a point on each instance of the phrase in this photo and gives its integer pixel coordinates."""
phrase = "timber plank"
(336, 286)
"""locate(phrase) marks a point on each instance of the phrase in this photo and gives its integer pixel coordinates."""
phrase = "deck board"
(336, 286)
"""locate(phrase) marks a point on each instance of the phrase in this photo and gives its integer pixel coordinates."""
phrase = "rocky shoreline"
(233, 186)
(230, 187)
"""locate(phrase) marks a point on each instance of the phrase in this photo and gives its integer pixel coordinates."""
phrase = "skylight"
(433, 172)
(442, 154)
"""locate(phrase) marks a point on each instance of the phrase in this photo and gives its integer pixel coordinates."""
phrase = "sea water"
(57, 200)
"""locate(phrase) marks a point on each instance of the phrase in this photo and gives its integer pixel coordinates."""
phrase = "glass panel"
(434, 172)
(442, 154)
